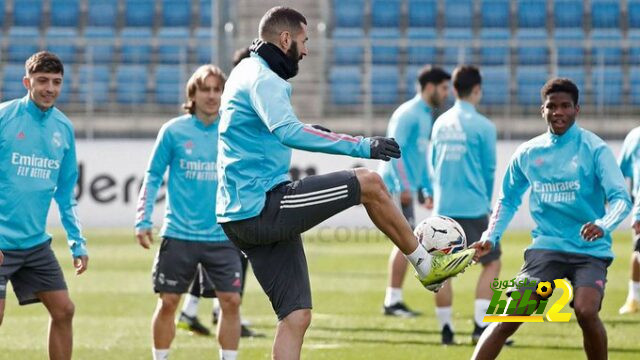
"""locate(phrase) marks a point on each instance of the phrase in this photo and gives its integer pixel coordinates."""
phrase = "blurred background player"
(188, 319)
(463, 158)
(410, 125)
(263, 212)
(38, 154)
(573, 176)
(629, 161)
(187, 145)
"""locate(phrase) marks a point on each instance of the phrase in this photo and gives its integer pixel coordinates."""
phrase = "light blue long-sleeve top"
(37, 164)
(463, 161)
(410, 125)
(629, 161)
(572, 179)
(258, 128)
(189, 148)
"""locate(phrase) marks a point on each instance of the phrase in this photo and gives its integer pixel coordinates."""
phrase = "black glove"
(421, 198)
(320, 127)
(383, 148)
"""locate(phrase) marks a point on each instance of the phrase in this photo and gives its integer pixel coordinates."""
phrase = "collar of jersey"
(418, 99)
(34, 110)
(571, 134)
(201, 125)
(465, 105)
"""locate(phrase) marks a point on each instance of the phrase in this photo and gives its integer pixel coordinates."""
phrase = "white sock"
(444, 316)
(160, 354)
(392, 296)
(634, 290)
(421, 261)
(228, 354)
(481, 311)
(190, 306)
(216, 306)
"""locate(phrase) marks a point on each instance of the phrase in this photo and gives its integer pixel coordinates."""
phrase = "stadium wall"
(111, 173)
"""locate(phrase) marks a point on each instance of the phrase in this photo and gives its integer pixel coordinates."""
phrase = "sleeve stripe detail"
(403, 174)
(331, 135)
(494, 218)
(615, 213)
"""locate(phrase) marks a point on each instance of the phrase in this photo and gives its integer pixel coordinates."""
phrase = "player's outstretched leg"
(61, 311)
(431, 270)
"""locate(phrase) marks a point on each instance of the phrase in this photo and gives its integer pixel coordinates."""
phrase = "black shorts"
(548, 265)
(176, 265)
(636, 241)
(272, 240)
(473, 229)
(202, 285)
(31, 271)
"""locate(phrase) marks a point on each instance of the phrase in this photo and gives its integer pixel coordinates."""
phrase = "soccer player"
(463, 158)
(264, 213)
(629, 162)
(187, 145)
(188, 319)
(38, 154)
(410, 126)
(572, 175)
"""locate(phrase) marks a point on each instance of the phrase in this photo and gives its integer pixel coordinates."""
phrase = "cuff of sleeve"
(144, 225)
(605, 230)
(78, 249)
(365, 151)
(493, 239)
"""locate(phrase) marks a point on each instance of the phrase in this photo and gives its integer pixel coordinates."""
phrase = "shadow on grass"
(516, 346)
(565, 347)
(377, 341)
(615, 322)
(375, 330)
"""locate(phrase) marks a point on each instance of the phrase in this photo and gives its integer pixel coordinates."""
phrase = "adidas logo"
(455, 263)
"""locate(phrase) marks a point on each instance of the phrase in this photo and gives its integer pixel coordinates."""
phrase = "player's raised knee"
(371, 183)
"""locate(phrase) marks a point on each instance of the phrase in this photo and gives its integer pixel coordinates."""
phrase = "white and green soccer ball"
(441, 235)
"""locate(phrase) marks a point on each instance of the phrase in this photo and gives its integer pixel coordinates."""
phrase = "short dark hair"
(564, 85)
(240, 54)
(432, 74)
(465, 77)
(44, 62)
(279, 19)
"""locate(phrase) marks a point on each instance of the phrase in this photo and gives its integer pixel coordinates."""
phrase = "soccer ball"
(441, 235)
